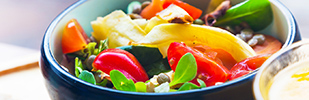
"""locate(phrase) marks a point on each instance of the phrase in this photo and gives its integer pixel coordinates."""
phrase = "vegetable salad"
(168, 45)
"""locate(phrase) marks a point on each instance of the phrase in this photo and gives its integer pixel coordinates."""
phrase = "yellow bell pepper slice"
(164, 34)
(118, 28)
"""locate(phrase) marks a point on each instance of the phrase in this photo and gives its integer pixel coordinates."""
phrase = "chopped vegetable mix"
(163, 45)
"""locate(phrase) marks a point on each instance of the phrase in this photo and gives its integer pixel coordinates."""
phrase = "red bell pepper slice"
(123, 61)
(247, 65)
(74, 37)
(207, 69)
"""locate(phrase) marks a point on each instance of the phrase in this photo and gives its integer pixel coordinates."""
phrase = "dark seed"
(145, 4)
(247, 33)
(162, 78)
(198, 21)
(260, 38)
(252, 42)
(89, 62)
(135, 16)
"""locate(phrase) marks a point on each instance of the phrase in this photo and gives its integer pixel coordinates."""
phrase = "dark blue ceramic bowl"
(62, 85)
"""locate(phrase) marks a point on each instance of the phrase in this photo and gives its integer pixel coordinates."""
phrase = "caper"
(247, 33)
(135, 16)
(89, 61)
(260, 38)
(198, 21)
(244, 25)
(137, 9)
(98, 77)
(237, 29)
(162, 78)
(252, 42)
(241, 37)
(145, 4)
(230, 29)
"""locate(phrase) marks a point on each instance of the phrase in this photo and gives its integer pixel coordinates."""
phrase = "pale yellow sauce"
(292, 83)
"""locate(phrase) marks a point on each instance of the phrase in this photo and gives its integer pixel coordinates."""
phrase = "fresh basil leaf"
(140, 87)
(186, 69)
(78, 66)
(188, 86)
(157, 67)
(257, 13)
(201, 82)
(87, 76)
(120, 82)
(145, 55)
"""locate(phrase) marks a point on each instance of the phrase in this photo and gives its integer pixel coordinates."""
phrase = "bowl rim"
(62, 73)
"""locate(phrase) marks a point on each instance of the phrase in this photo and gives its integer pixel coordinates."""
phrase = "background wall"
(23, 22)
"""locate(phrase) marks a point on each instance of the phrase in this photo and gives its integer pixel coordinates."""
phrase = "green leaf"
(186, 69)
(87, 76)
(188, 86)
(201, 82)
(257, 13)
(120, 82)
(145, 55)
(157, 67)
(78, 66)
(131, 5)
(140, 87)
(103, 83)
(102, 46)
(91, 48)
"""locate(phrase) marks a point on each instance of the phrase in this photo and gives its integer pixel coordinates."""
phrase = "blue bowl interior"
(283, 28)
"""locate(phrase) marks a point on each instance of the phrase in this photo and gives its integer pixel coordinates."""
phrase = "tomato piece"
(247, 65)
(194, 12)
(74, 37)
(219, 55)
(158, 5)
(207, 69)
(123, 61)
(152, 9)
(270, 46)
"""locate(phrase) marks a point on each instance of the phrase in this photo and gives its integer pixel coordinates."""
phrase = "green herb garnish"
(186, 69)
(120, 82)
(87, 76)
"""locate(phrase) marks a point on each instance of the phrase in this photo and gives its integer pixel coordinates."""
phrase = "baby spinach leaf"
(140, 87)
(188, 86)
(144, 54)
(87, 76)
(257, 13)
(202, 83)
(78, 66)
(120, 82)
(186, 69)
